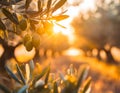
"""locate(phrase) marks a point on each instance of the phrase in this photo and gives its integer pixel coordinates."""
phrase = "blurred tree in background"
(100, 29)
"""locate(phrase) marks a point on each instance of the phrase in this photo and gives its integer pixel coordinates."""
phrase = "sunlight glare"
(87, 5)
(73, 52)
(68, 31)
(82, 7)
(73, 11)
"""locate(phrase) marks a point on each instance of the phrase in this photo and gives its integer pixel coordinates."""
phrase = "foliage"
(45, 82)
(29, 21)
(97, 25)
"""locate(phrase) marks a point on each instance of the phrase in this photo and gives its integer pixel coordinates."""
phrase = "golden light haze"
(73, 11)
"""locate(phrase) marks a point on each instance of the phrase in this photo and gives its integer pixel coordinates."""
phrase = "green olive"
(36, 40)
(23, 24)
(29, 45)
(27, 38)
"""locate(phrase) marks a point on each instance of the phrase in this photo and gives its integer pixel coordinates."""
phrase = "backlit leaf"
(82, 77)
(86, 85)
(59, 4)
(60, 25)
(39, 6)
(47, 75)
(59, 17)
(49, 5)
(27, 3)
(44, 71)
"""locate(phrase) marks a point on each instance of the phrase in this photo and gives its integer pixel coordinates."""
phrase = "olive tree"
(24, 22)
(100, 29)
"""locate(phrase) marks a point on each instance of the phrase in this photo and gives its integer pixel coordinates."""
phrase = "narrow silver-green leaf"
(4, 88)
(15, 16)
(23, 89)
(47, 75)
(10, 16)
(82, 77)
(55, 90)
(60, 25)
(2, 26)
(12, 74)
(44, 71)
(20, 74)
(32, 66)
(59, 4)
(87, 85)
(62, 77)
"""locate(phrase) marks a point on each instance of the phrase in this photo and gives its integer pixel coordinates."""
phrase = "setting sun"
(73, 12)
(68, 31)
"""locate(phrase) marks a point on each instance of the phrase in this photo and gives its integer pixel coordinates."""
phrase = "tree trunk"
(98, 55)
(110, 58)
(7, 54)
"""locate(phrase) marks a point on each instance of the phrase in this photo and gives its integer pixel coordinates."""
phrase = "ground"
(105, 78)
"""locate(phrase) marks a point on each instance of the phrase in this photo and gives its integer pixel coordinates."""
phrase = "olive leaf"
(60, 25)
(82, 77)
(39, 6)
(59, 17)
(49, 5)
(32, 66)
(55, 90)
(5, 3)
(27, 3)
(4, 88)
(47, 75)
(44, 71)
(58, 5)
(12, 74)
(2, 25)
(20, 74)
(10, 16)
(23, 89)
(86, 85)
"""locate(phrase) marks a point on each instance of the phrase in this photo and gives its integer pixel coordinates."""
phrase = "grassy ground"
(105, 77)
